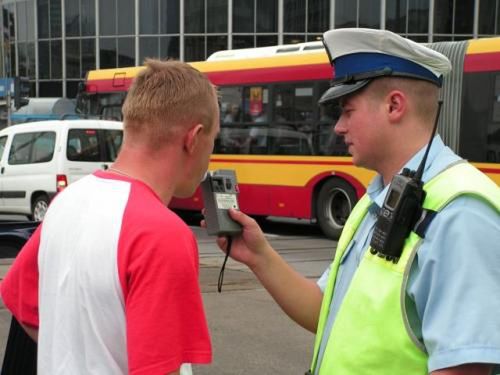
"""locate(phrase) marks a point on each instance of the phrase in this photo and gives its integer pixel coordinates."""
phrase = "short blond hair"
(423, 94)
(165, 97)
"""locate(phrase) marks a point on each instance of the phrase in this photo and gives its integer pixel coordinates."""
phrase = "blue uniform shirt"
(454, 283)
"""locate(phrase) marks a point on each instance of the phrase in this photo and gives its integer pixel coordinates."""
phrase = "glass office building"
(55, 42)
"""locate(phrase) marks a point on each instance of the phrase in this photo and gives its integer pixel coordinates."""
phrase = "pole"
(9, 108)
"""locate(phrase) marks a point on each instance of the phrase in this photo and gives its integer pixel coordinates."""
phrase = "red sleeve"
(19, 288)
(166, 323)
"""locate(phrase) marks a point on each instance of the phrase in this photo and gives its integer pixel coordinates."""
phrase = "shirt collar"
(377, 191)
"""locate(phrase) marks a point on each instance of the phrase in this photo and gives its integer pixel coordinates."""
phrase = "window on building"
(107, 52)
(55, 18)
(243, 16)
(148, 47)
(217, 17)
(87, 17)
(346, 13)
(169, 16)
(243, 41)
(88, 56)
(148, 17)
(318, 16)
(267, 16)
(204, 19)
(216, 43)
(44, 59)
(72, 21)
(488, 13)
(169, 47)
(266, 40)
(194, 48)
(358, 13)
(23, 59)
(453, 17)
(43, 18)
(107, 17)
(31, 73)
(126, 52)
(55, 59)
(194, 19)
(72, 88)
(22, 22)
(294, 15)
(418, 16)
(73, 67)
(395, 13)
(369, 13)
(256, 17)
(126, 17)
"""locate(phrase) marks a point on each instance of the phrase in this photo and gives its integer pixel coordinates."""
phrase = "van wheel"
(333, 206)
(39, 207)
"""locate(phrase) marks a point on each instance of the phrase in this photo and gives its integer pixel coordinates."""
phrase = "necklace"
(118, 171)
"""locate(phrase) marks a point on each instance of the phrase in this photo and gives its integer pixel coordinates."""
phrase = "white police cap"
(359, 55)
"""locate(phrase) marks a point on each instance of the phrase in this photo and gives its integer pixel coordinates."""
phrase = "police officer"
(435, 309)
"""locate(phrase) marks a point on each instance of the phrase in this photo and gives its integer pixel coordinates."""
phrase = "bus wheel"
(335, 201)
(39, 207)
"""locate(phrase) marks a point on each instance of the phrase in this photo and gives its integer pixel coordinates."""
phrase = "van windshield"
(93, 145)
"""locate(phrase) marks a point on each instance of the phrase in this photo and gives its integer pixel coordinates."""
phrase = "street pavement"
(250, 334)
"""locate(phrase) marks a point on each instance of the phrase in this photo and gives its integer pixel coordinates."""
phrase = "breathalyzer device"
(220, 193)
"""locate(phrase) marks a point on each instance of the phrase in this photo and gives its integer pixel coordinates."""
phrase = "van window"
(113, 142)
(3, 140)
(29, 148)
(93, 145)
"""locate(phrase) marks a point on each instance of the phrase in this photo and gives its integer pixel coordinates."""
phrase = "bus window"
(294, 103)
(106, 104)
(256, 104)
(230, 104)
(480, 133)
(325, 140)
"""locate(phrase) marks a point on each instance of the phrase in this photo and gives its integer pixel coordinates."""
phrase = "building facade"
(55, 42)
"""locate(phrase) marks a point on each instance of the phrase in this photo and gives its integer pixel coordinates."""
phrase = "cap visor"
(338, 91)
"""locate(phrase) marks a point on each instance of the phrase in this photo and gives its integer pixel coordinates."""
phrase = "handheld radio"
(401, 210)
(220, 193)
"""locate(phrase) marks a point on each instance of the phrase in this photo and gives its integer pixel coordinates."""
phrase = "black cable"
(221, 273)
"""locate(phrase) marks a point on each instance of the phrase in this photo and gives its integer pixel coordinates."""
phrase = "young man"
(108, 284)
(435, 309)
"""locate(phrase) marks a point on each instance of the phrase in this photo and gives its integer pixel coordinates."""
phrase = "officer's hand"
(248, 246)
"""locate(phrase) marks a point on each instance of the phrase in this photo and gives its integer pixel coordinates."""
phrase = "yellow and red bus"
(288, 161)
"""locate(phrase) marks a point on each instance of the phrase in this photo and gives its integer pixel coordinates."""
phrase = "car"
(39, 159)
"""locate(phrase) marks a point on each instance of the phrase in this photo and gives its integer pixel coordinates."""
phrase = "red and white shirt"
(111, 280)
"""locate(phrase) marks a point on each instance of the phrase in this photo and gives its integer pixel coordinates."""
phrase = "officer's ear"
(192, 138)
(396, 105)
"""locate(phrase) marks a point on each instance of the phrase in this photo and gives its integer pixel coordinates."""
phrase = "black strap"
(424, 222)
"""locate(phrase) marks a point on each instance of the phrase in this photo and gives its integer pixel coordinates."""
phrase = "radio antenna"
(420, 170)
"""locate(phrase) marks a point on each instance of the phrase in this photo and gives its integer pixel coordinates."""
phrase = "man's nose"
(339, 127)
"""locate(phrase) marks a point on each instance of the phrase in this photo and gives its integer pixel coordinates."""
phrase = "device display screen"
(393, 198)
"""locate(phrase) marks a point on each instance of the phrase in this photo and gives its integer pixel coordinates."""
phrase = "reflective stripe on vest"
(371, 334)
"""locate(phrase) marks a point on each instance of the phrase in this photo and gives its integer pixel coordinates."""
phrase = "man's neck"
(155, 169)
(402, 154)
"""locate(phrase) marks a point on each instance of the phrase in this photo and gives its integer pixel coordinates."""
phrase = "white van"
(39, 159)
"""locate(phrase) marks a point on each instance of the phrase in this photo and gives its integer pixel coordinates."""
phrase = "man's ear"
(192, 138)
(396, 105)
